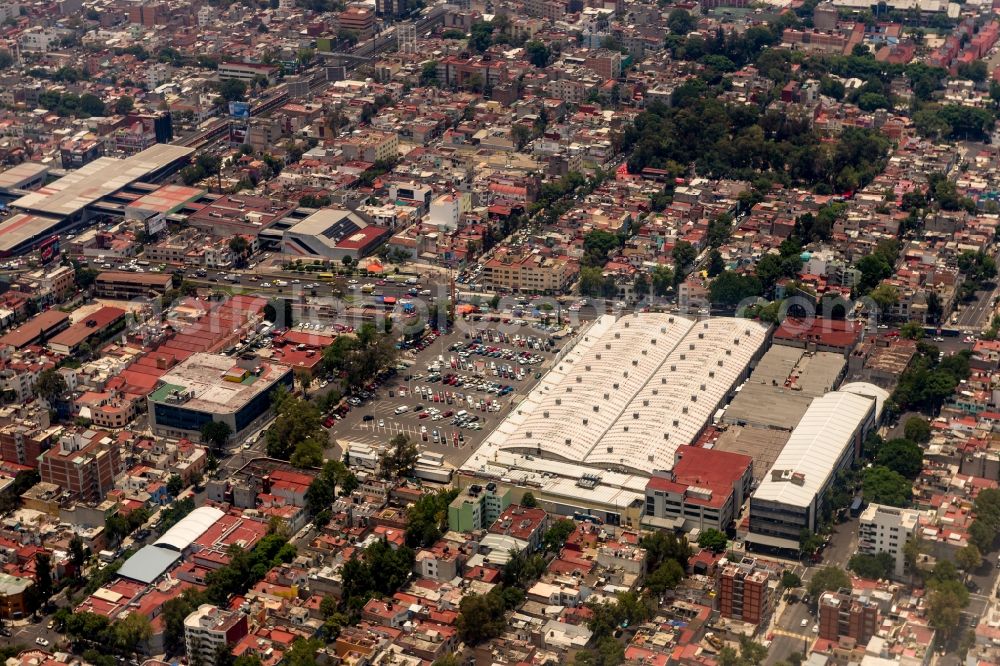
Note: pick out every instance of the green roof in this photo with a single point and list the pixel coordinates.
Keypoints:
(160, 394)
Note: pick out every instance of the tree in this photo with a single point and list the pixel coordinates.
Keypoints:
(662, 280)
(885, 486)
(641, 286)
(305, 380)
(885, 296)
(730, 288)
(713, 540)
(520, 134)
(556, 536)
(50, 385)
(874, 567)
(297, 421)
(665, 577)
(239, 246)
(43, 576)
(480, 617)
(828, 579)
(216, 434)
(232, 90)
(400, 458)
(911, 330)
(661, 547)
(308, 454)
(944, 610)
(538, 53)
(175, 485)
(425, 517)
(78, 554)
(683, 254)
(528, 501)
(681, 22)
(968, 558)
(124, 105)
(715, 264)
(790, 579)
(901, 456)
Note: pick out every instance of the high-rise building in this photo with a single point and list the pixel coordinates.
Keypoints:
(886, 529)
(745, 591)
(841, 615)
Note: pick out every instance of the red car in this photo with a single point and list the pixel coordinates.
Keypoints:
(423, 415)
(328, 422)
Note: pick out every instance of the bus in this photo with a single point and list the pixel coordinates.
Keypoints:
(325, 276)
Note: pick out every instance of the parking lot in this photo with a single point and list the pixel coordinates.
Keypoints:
(454, 373)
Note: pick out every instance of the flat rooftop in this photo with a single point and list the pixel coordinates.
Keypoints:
(215, 383)
(79, 189)
(16, 175)
(783, 385)
(761, 444)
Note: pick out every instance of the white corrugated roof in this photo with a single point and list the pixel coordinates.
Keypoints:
(815, 447)
(869, 391)
(192, 526)
(629, 392)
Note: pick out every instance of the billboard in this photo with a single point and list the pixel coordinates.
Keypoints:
(156, 223)
(49, 250)
(239, 109)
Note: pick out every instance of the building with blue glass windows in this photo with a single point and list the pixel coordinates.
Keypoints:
(215, 387)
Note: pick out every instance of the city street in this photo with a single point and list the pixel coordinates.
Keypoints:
(976, 315)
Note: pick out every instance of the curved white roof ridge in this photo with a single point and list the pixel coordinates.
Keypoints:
(192, 526)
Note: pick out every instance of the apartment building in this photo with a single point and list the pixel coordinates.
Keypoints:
(886, 529)
(372, 147)
(358, 20)
(841, 615)
(745, 591)
(478, 507)
(124, 285)
(529, 271)
(210, 628)
(85, 464)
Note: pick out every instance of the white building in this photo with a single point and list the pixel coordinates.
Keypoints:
(447, 209)
(826, 440)
(38, 39)
(886, 529)
(210, 628)
(631, 391)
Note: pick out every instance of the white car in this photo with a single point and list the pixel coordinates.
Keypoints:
(352, 281)
(44, 642)
(804, 622)
(381, 423)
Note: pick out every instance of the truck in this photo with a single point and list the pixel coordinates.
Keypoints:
(436, 474)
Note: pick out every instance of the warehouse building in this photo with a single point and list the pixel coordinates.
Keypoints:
(333, 234)
(826, 440)
(783, 386)
(214, 387)
(615, 409)
(71, 201)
